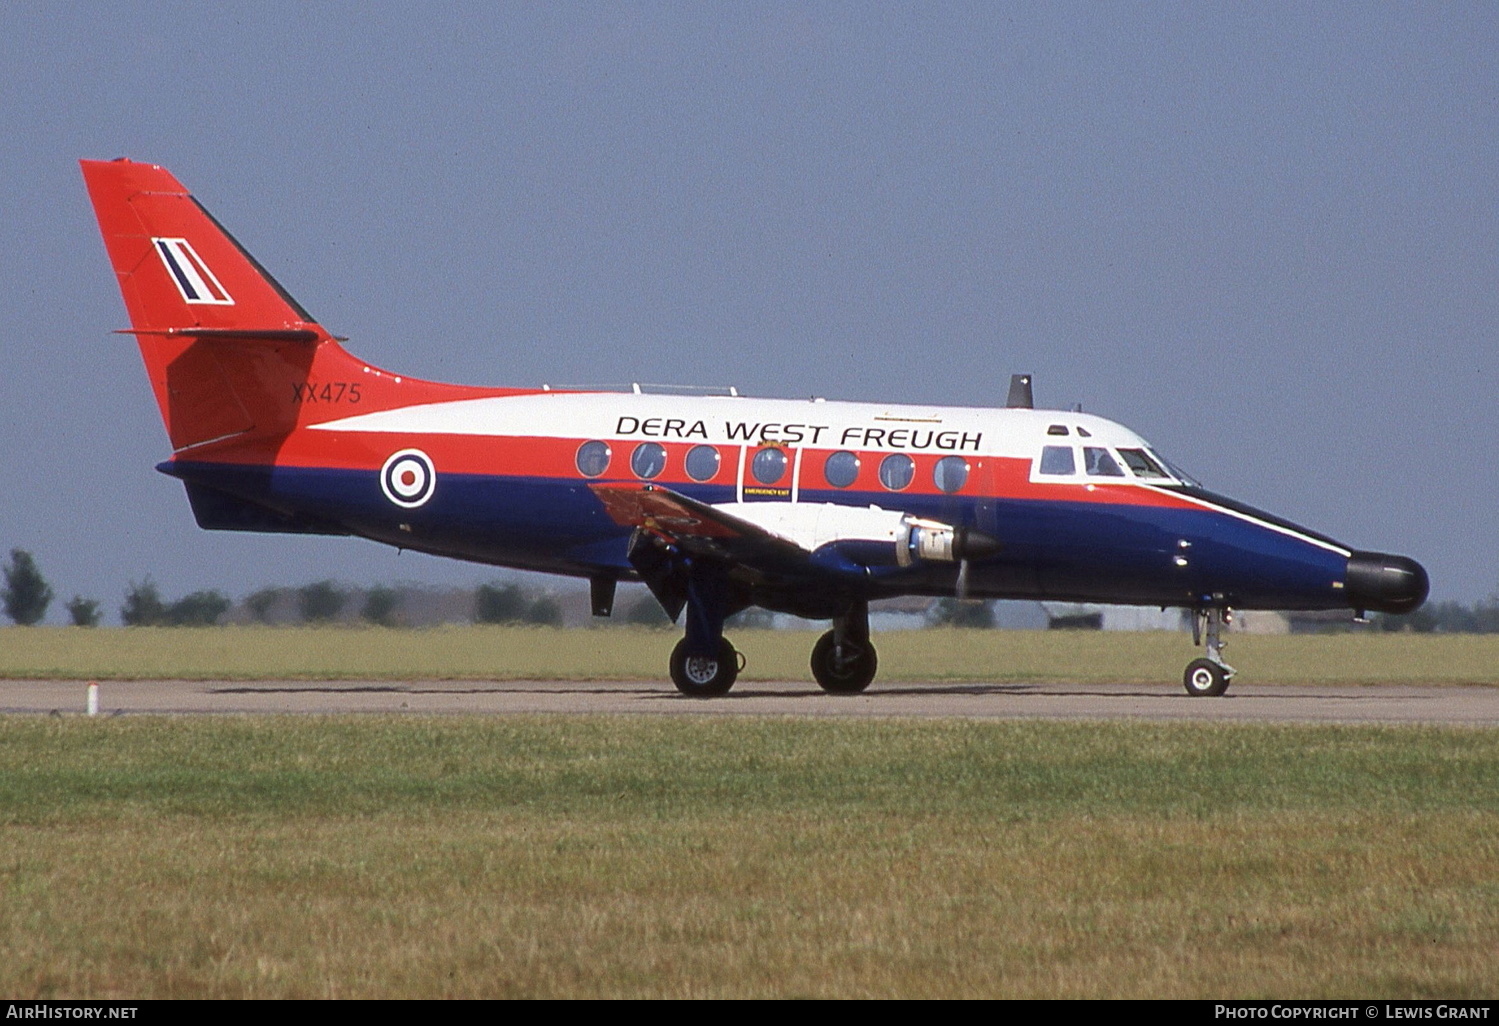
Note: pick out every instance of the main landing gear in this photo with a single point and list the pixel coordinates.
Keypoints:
(699, 676)
(843, 660)
(1208, 678)
(705, 665)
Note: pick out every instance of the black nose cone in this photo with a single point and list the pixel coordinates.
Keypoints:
(1383, 583)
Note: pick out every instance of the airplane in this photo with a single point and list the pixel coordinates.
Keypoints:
(717, 502)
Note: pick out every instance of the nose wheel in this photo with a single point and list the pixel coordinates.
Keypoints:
(1205, 679)
(1209, 678)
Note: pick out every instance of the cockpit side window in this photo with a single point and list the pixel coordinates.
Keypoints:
(1142, 465)
(1100, 463)
(1057, 459)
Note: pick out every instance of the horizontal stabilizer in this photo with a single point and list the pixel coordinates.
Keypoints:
(230, 334)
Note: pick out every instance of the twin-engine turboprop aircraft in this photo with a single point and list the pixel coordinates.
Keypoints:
(716, 502)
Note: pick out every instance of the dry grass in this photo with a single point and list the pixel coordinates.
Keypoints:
(497, 905)
(628, 857)
(510, 653)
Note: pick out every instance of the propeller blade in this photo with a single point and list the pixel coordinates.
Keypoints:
(962, 592)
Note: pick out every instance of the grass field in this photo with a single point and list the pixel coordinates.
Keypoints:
(508, 653)
(642, 857)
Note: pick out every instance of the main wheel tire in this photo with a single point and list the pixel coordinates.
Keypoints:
(847, 678)
(704, 676)
(1205, 679)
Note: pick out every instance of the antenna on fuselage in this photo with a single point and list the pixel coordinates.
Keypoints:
(1020, 393)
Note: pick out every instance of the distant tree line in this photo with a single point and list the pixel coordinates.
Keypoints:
(26, 597)
(510, 603)
(326, 602)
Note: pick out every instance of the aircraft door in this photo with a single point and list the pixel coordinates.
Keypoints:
(768, 473)
(1012, 572)
(968, 489)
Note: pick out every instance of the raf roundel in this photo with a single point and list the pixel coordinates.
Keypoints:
(408, 478)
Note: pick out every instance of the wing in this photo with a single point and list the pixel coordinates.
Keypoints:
(798, 557)
(677, 520)
(677, 536)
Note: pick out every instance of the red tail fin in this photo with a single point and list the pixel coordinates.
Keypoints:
(223, 342)
(178, 267)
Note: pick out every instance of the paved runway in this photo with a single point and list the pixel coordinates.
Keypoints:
(1245, 702)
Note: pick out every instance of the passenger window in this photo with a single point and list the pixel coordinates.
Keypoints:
(950, 474)
(648, 460)
(768, 466)
(593, 458)
(1100, 463)
(841, 469)
(1140, 462)
(1057, 459)
(896, 471)
(702, 462)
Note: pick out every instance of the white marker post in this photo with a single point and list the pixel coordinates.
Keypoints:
(93, 698)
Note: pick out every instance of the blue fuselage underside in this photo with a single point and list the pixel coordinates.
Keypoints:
(1070, 551)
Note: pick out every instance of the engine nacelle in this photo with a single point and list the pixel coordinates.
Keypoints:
(933, 540)
(860, 540)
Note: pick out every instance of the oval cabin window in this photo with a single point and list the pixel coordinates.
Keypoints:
(896, 471)
(648, 460)
(593, 458)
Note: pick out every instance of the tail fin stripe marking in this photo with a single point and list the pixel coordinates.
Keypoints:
(194, 280)
(182, 282)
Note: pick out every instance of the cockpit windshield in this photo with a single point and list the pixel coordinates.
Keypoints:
(1181, 475)
(1100, 463)
(1140, 462)
(1144, 463)
(1148, 465)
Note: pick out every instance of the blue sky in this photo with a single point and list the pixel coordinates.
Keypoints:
(1263, 235)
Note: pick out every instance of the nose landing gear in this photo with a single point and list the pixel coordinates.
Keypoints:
(1209, 678)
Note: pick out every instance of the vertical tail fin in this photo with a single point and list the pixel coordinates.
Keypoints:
(223, 342)
(178, 268)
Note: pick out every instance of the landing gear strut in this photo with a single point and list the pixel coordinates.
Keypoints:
(1208, 678)
(704, 664)
(843, 660)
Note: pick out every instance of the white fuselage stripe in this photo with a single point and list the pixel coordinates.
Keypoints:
(1279, 529)
(737, 421)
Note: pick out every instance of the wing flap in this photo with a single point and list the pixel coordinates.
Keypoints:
(670, 518)
(674, 516)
